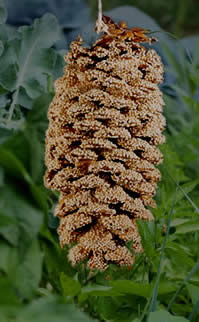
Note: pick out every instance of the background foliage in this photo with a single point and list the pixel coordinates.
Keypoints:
(36, 281)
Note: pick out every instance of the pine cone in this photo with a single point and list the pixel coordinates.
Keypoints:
(101, 145)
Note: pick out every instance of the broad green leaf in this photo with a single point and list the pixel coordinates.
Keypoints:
(4, 134)
(174, 62)
(164, 316)
(28, 272)
(100, 290)
(179, 255)
(172, 163)
(9, 258)
(26, 148)
(130, 287)
(37, 117)
(27, 61)
(13, 165)
(23, 266)
(23, 220)
(24, 100)
(186, 188)
(189, 276)
(165, 288)
(18, 148)
(70, 286)
(55, 259)
(9, 228)
(188, 227)
(3, 12)
(40, 196)
(194, 292)
(8, 66)
(116, 309)
(8, 295)
(33, 56)
(3, 90)
(36, 126)
(140, 289)
(8, 33)
(179, 221)
(147, 238)
(3, 100)
(51, 309)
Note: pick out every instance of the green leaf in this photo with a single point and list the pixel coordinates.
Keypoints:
(3, 12)
(130, 287)
(28, 272)
(37, 117)
(154, 296)
(179, 221)
(27, 146)
(8, 295)
(4, 135)
(17, 146)
(28, 60)
(140, 289)
(8, 66)
(51, 309)
(13, 165)
(8, 228)
(19, 218)
(19, 225)
(188, 227)
(36, 126)
(186, 280)
(8, 33)
(147, 238)
(174, 62)
(172, 163)
(3, 100)
(194, 292)
(40, 196)
(180, 255)
(165, 288)
(70, 286)
(34, 59)
(24, 100)
(164, 316)
(186, 189)
(100, 290)
(9, 258)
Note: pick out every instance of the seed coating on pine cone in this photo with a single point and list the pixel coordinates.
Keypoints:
(105, 123)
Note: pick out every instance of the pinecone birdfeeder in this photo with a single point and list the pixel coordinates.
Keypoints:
(105, 123)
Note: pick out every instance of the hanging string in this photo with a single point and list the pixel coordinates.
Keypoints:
(100, 25)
